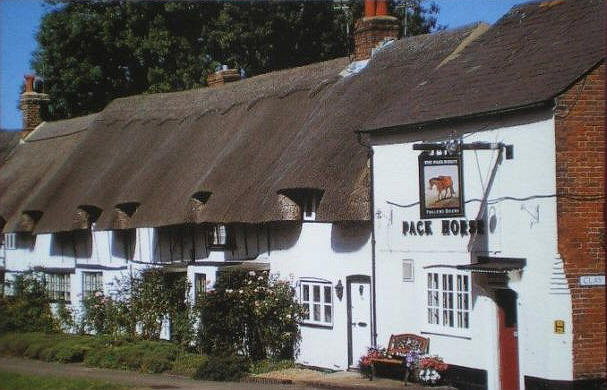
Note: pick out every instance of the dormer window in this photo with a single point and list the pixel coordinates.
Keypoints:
(123, 213)
(218, 237)
(85, 216)
(29, 219)
(299, 203)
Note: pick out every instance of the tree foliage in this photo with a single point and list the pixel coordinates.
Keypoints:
(90, 52)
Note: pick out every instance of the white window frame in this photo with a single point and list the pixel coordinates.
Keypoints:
(219, 237)
(448, 300)
(92, 282)
(309, 208)
(10, 241)
(58, 286)
(200, 284)
(316, 297)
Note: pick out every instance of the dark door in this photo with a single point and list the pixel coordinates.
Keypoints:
(508, 340)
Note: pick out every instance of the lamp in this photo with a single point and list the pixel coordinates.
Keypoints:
(339, 290)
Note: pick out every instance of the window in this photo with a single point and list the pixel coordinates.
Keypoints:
(408, 270)
(92, 282)
(309, 210)
(10, 240)
(58, 286)
(317, 300)
(200, 285)
(218, 237)
(449, 300)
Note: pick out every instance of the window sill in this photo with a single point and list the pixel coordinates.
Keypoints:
(448, 332)
(316, 325)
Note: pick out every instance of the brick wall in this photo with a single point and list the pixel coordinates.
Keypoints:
(31, 105)
(370, 31)
(580, 176)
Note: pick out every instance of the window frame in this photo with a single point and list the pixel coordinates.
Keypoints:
(197, 285)
(88, 292)
(310, 303)
(213, 235)
(10, 241)
(448, 297)
(308, 210)
(58, 286)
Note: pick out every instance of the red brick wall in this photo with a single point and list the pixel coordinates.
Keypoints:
(580, 181)
(31, 104)
(370, 31)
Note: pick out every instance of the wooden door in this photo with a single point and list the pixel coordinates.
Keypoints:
(508, 340)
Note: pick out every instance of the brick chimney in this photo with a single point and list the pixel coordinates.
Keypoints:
(373, 28)
(31, 105)
(223, 76)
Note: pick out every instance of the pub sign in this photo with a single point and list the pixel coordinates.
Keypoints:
(441, 185)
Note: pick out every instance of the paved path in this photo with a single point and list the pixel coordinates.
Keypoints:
(300, 379)
(141, 381)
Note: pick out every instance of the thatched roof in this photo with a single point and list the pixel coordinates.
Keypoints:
(531, 55)
(8, 141)
(245, 143)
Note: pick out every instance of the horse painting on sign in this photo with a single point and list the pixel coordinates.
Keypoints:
(440, 186)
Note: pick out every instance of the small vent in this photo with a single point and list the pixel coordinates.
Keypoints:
(408, 270)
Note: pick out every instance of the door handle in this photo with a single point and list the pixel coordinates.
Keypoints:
(362, 324)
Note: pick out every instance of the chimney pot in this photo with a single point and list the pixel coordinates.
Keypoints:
(29, 82)
(370, 8)
(382, 8)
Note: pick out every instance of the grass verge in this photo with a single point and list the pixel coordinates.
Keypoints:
(13, 381)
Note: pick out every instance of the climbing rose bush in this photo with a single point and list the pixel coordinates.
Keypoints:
(250, 313)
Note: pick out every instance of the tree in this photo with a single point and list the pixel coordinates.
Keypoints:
(90, 52)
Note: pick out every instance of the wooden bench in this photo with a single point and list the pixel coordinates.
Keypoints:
(398, 346)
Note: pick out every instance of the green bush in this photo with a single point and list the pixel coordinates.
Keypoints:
(249, 313)
(186, 364)
(263, 366)
(145, 356)
(223, 368)
(28, 308)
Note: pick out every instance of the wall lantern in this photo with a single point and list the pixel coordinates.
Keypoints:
(339, 290)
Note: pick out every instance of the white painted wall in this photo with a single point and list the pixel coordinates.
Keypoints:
(309, 250)
(525, 228)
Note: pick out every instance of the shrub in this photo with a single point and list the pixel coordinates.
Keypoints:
(223, 368)
(263, 366)
(28, 309)
(145, 356)
(139, 306)
(249, 313)
(186, 364)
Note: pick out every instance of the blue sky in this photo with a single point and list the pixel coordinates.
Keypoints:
(20, 19)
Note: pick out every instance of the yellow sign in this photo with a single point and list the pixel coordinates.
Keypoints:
(559, 326)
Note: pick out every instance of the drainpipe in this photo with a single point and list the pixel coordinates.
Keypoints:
(372, 216)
